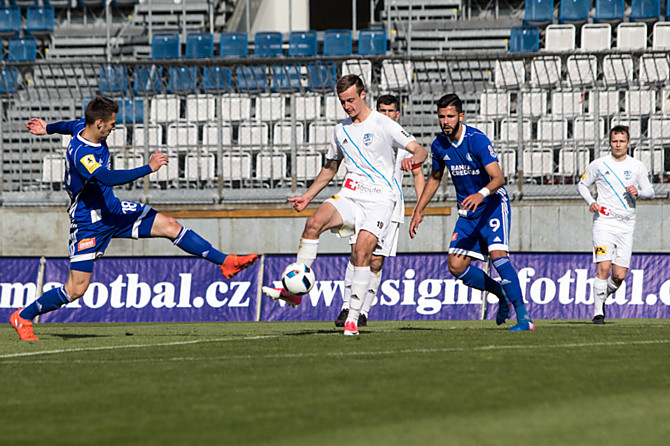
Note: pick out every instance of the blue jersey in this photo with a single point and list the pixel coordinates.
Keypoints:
(90, 199)
(466, 161)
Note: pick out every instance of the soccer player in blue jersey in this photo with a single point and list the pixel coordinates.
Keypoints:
(483, 207)
(97, 216)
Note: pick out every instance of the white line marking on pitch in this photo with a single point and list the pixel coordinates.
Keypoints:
(304, 355)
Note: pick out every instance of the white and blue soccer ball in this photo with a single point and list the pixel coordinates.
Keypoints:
(298, 279)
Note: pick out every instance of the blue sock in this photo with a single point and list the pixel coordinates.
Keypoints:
(192, 243)
(476, 278)
(510, 282)
(49, 301)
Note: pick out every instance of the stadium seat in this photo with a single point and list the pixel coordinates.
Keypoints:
(372, 42)
(234, 44)
(333, 109)
(182, 136)
(53, 168)
(360, 67)
(545, 71)
(39, 19)
(659, 129)
(286, 77)
(10, 20)
(667, 10)
(539, 11)
(200, 108)
(320, 133)
(308, 165)
(118, 139)
(282, 134)
(631, 36)
(551, 130)
(608, 102)
(165, 108)
(559, 37)
(199, 45)
(169, 172)
(396, 75)
(534, 103)
(509, 73)
(307, 107)
(509, 130)
(321, 75)
(574, 11)
(581, 70)
(337, 42)
(645, 10)
(131, 111)
(596, 36)
(537, 162)
(199, 167)
(584, 130)
(573, 162)
(210, 134)
(302, 43)
(634, 125)
(524, 39)
(271, 166)
(568, 103)
(268, 44)
(270, 107)
(661, 36)
(487, 126)
(182, 79)
(147, 80)
(216, 78)
(665, 101)
(153, 133)
(113, 79)
(639, 102)
(618, 70)
(609, 11)
(251, 78)
(165, 46)
(494, 104)
(236, 166)
(22, 48)
(652, 158)
(654, 69)
(253, 135)
(507, 159)
(235, 107)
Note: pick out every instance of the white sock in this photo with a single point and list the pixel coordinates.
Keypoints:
(373, 286)
(359, 287)
(348, 278)
(611, 286)
(307, 251)
(599, 296)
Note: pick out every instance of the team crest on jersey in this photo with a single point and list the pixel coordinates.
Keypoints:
(628, 174)
(86, 243)
(493, 152)
(600, 250)
(367, 139)
(90, 163)
(468, 157)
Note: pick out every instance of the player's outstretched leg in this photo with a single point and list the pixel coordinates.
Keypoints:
(233, 264)
(23, 327)
(281, 293)
(22, 319)
(476, 278)
(510, 283)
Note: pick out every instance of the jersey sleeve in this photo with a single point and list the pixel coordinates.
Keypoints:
(334, 150)
(400, 137)
(589, 175)
(484, 150)
(86, 163)
(64, 127)
(437, 161)
(643, 178)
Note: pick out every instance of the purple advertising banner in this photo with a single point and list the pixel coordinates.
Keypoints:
(413, 287)
(156, 289)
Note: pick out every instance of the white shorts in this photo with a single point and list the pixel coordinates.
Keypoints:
(363, 213)
(388, 247)
(613, 241)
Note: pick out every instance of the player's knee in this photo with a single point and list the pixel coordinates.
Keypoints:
(313, 227)
(76, 290)
(376, 264)
(617, 277)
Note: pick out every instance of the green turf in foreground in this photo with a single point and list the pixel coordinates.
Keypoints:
(399, 383)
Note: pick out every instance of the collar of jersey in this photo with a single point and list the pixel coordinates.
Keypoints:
(460, 140)
(86, 141)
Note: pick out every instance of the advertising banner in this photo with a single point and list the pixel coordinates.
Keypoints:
(413, 287)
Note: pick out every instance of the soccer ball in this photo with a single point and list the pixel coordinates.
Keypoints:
(298, 279)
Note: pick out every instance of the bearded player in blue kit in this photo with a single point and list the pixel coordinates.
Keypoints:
(97, 216)
(483, 207)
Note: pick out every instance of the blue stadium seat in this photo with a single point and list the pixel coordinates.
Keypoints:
(321, 75)
(22, 48)
(645, 10)
(667, 10)
(39, 19)
(286, 77)
(147, 79)
(524, 39)
(9, 79)
(251, 78)
(337, 42)
(182, 79)
(574, 11)
(10, 20)
(268, 44)
(165, 46)
(234, 44)
(113, 79)
(199, 45)
(302, 43)
(539, 11)
(609, 11)
(372, 42)
(217, 78)
(130, 111)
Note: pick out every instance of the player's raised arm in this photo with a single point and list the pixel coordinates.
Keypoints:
(327, 173)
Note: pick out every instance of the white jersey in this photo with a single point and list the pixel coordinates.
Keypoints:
(368, 152)
(611, 178)
(399, 210)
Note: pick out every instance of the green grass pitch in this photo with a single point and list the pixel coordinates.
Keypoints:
(399, 383)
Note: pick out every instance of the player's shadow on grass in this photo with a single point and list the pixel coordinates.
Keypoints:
(309, 332)
(578, 322)
(66, 336)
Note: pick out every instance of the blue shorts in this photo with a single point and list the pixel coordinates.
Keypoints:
(88, 242)
(476, 237)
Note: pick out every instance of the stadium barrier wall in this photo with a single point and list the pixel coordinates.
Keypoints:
(414, 287)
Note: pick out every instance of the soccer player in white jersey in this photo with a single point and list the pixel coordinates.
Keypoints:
(483, 221)
(620, 180)
(390, 106)
(365, 143)
(97, 216)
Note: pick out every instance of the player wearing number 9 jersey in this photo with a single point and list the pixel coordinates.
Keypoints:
(97, 215)
(483, 224)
